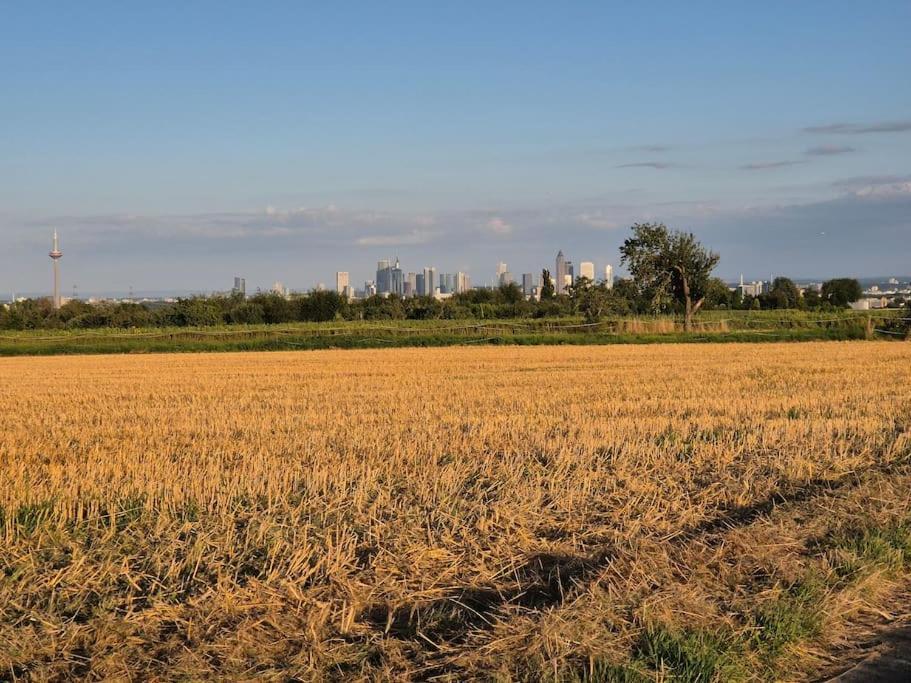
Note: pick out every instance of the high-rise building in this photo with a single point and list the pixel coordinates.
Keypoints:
(369, 288)
(528, 284)
(56, 255)
(240, 286)
(560, 273)
(397, 280)
(341, 282)
(609, 276)
(462, 282)
(383, 277)
(430, 279)
(411, 285)
(419, 285)
(571, 271)
(502, 271)
(587, 269)
(449, 282)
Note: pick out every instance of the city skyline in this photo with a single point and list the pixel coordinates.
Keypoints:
(197, 152)
(390, 278)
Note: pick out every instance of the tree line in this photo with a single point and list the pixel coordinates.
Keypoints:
(670, 273)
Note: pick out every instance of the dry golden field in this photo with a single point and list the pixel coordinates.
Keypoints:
(566, 513)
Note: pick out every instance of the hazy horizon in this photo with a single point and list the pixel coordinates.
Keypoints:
(176, 146)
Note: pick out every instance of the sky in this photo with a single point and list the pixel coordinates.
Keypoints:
(174, 145)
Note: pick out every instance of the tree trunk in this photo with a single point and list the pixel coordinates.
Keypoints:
(688, 301)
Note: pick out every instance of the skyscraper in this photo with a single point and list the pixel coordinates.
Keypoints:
(419, 284)
(609, 276)
(528, 284)
(397, 280)
(502, 270)
(341, 281)
(240, 286)
(343, 284)
(462, 283)
(430, 279)
(56, 255)
(383, 277)
(411, 285)
(560, 273)
(587, 269)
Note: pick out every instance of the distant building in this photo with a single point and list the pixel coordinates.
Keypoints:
(462, 282)
(504, 277)
(528, 284)
(240, 286)
(383, 277)
(411, 285)
(447, 283)
(753, 289)
(870, 303)
(419, 285)
(587, 269)
(430, 279)
(560, 273)
(341, 282)
(609, 276)
(397, 280)
(279, 288)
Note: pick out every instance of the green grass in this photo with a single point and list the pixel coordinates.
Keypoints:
(694, 655)
(794, 616)
(717, 326)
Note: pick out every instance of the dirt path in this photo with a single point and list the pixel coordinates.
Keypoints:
(881, 652)
(889, 661)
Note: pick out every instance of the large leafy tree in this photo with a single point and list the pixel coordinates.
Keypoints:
(669, 266)
(841, 292)
(784, 293)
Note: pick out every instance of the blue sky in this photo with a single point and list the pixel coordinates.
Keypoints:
(177, 144)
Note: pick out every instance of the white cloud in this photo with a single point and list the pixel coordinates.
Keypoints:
(498, 226)
(598, 220)
(412, 238)
(885, 190)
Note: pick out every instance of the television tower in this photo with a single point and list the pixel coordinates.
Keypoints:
(55, 255)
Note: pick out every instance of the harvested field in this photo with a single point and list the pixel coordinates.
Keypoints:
(564, 513)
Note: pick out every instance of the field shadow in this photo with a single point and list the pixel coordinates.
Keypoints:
(542, 581)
